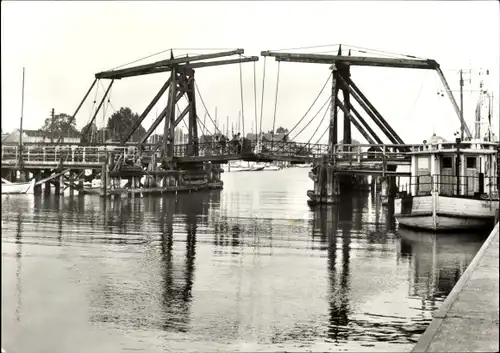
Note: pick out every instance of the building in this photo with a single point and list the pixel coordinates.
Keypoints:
(180, 137)
(34, 136)
(268, 136)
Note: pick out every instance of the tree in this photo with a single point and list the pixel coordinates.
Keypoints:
(62, 124)
(120, 123)
(281, 130)
(89, 133)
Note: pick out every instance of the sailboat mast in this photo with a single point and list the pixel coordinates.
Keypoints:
(22, 114)
(461, 106)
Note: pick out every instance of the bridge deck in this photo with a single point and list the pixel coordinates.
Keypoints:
(348, 158)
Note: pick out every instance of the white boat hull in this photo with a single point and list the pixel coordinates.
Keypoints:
(18, 188)
(441, 213)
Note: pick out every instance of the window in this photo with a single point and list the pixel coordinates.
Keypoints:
(471, 162)
(447, 162)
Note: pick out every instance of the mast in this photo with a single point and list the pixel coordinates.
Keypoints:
(215, 128)
(22, 113)
(461, 106)
(239, 120)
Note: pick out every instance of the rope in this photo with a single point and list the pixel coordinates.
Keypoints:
(276, 101)
(241, 98)
(321, 122)
(204, 106)
(203, 128)
(418, 95)
(313, 47)
(93, 104)
(315, 115)
(262, 99)
(385, 52)
(309, 109)
(146, 57)
(323, 134)
(255, 101)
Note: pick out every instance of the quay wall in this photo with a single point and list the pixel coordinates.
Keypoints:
(468, 319)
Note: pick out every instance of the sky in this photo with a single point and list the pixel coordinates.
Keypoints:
(63, 44)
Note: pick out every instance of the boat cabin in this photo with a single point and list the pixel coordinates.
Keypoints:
(466, 169)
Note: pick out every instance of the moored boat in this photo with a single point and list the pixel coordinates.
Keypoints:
(453, 186)
(18, 188)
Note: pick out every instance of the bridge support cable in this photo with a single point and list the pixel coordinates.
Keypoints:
(310, 107)
(321, 122)
(204, 106)
(328, 100)
(262, 100)
(242, 100)
(314, 116)
(275, 103)
(70, 121)
(147, 110)
(101, 103)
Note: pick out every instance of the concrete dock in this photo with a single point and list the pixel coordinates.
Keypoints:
(467, 321)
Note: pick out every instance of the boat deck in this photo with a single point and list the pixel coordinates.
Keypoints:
(468, 319)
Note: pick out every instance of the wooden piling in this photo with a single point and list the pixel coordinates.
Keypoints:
(38, 188)
(61, 185)
(103, 180)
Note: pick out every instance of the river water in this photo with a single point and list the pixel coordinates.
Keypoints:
(248, 268)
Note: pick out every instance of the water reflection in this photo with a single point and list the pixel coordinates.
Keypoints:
(205, 267)
(436, 261)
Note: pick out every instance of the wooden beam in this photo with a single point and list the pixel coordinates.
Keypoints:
(354, 88)
(182, 115)
(453, 102)
(158, 69)
(192, 119)
(358, 126)
(166, 63)
(147, 110)
(158, 120)
(333, 129)
(366, 126)
(168, 130)
(353, 60)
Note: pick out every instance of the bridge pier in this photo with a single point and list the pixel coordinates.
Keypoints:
(326, 184)
(38, 176)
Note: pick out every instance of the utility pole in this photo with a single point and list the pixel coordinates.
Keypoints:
(461, 106)
(52, 114)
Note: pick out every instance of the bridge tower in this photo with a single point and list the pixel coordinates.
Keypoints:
(181, 82)
(328, 176)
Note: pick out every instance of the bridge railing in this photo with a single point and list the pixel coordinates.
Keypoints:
(51, 153)
(363, 152)
(54, 154)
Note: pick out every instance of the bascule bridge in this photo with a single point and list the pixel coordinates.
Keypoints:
(340, 166)
(194, 165)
